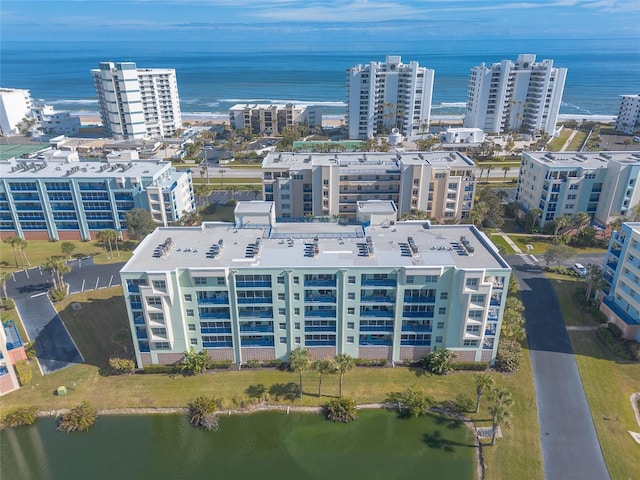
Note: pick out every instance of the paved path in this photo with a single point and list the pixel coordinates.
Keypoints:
(569, 140)
(54, 346)
(570, 447)
(507, 239)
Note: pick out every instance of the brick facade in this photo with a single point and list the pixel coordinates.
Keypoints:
(169, 358)
(413, 353)
(217, 354)
(261, 354)
(374, 353)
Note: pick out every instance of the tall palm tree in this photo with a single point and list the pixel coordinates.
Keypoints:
(581, 220)
(489, 168)
(594, 280)
(3, 284)
(343, 363)
(50, 266)
(500, 410)
(112, 236)
(323, 367)
(561, 222)
(12, 240)
(505, 169)
(22, 244)
(536, 214)
(299, 360)
(484, 382)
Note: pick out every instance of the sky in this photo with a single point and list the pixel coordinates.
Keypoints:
(320, 20)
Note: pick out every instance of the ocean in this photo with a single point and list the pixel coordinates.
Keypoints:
(213, 76)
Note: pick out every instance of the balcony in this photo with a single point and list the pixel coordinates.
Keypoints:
(376, 328)
(136, 305)
(419, 299)
(415, 343)
(378, 282)
(225, 344)
(616, 252)
(320, 283)
(417, 314)
(320, 299)
(320, 313)
(377, 298)
(220, 300)
(257, 328)
(250, 342)
(144, 347)
(224, 316)
(495, 302)
(262, 284)
(246, 300)
(205, 330)
(377, 313)
(416, 327)
(374, 342)
(320, 343)
(142, 335)
(612, 265)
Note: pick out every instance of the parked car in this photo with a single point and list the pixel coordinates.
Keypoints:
(579, 268)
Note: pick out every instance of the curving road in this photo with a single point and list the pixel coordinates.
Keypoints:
(570, 447)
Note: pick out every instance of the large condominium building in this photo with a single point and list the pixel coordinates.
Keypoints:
(54, 197)
(137, 102)
(15, 105)
(270, 119)
(522, 96)
(258, 291)
(600, 184)
(628, 119)
(620, 298)
(314, 184)
(383, 96)
(52, 122)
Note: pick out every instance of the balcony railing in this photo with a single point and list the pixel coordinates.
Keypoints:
(214, 315)
(253, 284)
(616, 251)
(419, 299)
(376, 328)
(228, 344)
(213, 300)
(320, 343)
(495, 302)
(255, 315)
(256, 328)
(375, 342)
(322, 328)
(415, 343)
(320, 299)
(255, 300)
(378, 298)
(407, 327)
(208, 330)
(136, 305)
(378, 282)
(320, 313)
(320, 283)
(378, 313)
(417, 314)
(256, 343)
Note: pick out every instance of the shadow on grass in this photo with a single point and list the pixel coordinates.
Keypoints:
(437, 441)
(284, 391)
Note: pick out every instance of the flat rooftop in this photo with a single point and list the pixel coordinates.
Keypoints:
(59, 169)
(367, 160)
(309, 245)
(16, 151)
(587, 160)
(377, 206)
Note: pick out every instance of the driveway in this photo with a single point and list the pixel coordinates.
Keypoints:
(570, 447)
(54, 347)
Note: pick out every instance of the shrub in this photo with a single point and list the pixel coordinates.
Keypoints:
(23, 371)
(439, 361)
(341, 410)
(560, 270)
(413, 400)
(615, 331)
(18, 417)
(252, 364)
(80, 418)
(274, 363)
(121, 366)
(370, 362)
(202, 412)
(508, 357)
(57, 294)
(220, 364)
(608, 338)
(472, 366)
(8, 304)
(155, 369)
(634, 348)
(464, 403)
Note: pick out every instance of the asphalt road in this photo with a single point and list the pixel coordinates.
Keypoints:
(54, 347)
(570, 447)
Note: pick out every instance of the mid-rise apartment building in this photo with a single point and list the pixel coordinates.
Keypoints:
(521, 96)
(270, 119)
(11, 351)
(55, 122)
(258, 290)
(620, 298)
(15, 105)
(137, 102)
(628, 119)
(51, 197)
(441, 184)
(602, 184)
(387, 95)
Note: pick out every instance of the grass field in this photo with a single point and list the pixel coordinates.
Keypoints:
(608, 383)
(541, 244)
(502, 244)
(557, 143)
(38, 251)
(219, 213)
(577, 142)
(101, 314)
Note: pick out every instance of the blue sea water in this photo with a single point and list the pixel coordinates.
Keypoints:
(214, 76)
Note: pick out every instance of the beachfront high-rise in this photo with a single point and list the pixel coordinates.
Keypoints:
(522, 96)
(387, 95)
(137, 102)
(628, 120)
(15, 106)
(441, 184)
(602, 184)
(270, 119)
(257, 290)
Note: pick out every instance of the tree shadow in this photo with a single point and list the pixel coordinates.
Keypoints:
(437, 441)
(256, 391)
(285, 391)
(418, 370)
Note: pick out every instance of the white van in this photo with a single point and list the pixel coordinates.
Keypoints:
(579, 268)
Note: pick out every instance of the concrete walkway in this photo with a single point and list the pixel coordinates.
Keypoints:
(510, 242)
(570, 447)
(569, 140)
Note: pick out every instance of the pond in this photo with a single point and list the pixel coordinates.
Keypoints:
(266, 445)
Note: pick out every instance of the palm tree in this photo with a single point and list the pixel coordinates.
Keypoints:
(489, 168)
(581, 220)
(51, 266)
(3, 284)
(105, 237)
(561, 222)
(594, 280)
(323, 367)
(536, 214)
(299, 360)
(484, 383)
(343, 363)
(112, 236)
(505, 169)
(22, 244)
(500, 410)
(222, 172)
(13, 241)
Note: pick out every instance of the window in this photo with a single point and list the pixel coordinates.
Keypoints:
(351, 279)
(442, 310)
(351, 311)
(297, 339)
(281, 296)
(188, 297)
(440, 325)
(283, 339)
(190, 312)
(280, 280)
(282, 311)
(444, 295)
(221, 281)
(470, 343)
(154, 301)
(200, 280)
(296, 325)
(156, 317)
(192, 327)
(438, 339)
(194, 341)
(351, 295)
(350, 339)
(296, 296)
(161, 346)
(351, 325)
(473, 328)
(296, 311)
(472, 282)
(283, 326)
(476, 314)
(159, 331)
(431, 279)
(411, 278)
(477, 298)
(159, 284)
(296, 280)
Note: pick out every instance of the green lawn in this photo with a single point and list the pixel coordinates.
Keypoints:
(608, 383)
(217, 181)
(92, 319)
(102, 313)
(502, 244)
(38, 251)
(219, 213)
(577, 142)
(558, 142)
(541, 243)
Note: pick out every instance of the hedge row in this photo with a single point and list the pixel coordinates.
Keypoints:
(609, 339)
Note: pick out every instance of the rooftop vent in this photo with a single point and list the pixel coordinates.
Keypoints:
(164, 249)
(254, 249)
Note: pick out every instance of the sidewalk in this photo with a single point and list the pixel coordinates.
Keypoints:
(508, 240)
